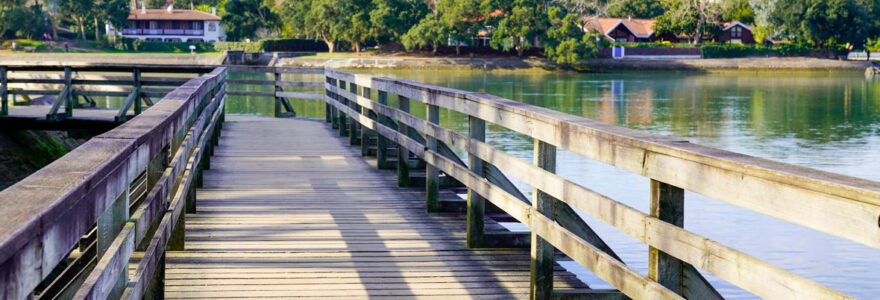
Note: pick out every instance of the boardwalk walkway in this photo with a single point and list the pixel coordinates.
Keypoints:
(288, 209)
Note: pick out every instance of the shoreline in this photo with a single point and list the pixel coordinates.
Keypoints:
(770, 64)
(760, 64)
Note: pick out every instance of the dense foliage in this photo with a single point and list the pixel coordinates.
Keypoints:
(726, 50)
(512, 26)
(566, 42)
(827, 24)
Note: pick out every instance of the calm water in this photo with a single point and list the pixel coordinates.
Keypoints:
(824, 121)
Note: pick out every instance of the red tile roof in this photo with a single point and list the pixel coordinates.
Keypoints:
(640, 27)
(177, 14)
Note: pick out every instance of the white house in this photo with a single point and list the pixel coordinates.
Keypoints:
(173, 25)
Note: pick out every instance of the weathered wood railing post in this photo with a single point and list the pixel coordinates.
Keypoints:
(343, 119)
(353, 136)
(110, 224)
(381, 141)
(402, 152)
(68, 98)
(365, 132)
(667, 204)
(136, 75)
(432, 175)
(277, 88)
(476, 204)
(4, 91)
(327, 106)
(542, 252)
(334, 113)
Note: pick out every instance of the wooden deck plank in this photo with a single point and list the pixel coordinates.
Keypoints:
(289, 209)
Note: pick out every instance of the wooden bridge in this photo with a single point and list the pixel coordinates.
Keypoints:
(182, 201)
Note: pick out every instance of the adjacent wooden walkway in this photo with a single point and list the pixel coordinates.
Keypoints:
(288, 209)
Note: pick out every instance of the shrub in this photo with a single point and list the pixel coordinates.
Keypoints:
(138, 45)
(658, 44)
(728, 50)
(293, 45)
(25, 43)
(238, 46)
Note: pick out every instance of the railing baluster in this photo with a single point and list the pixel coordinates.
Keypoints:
(432, 175)
(381, 142)
(476, 204)
(136, 74)
(402, 152)
(353, 136)
(109, 226)
(343, 128)
(327, 106)
(68, 98)
(4, 91)
(334, 113)
(365, 132)
(667, 204)
(542, 251)
(277, 89)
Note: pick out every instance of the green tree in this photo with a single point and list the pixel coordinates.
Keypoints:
(328, 20)
(647, 9)
(828, 24)
(116, 12)
(293, 14)
(566, 42)
(78, 11)
(738, 10)
(391, 19)
(243, 18)
(357, 28)
(693, 18)
(429, 32)
(461, 19)
(519, 25)
(18, 19)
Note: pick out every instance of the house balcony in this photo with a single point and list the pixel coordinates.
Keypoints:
(159, 31)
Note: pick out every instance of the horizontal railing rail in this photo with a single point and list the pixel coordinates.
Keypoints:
(75, 85)
(129, 186)
(843, 206)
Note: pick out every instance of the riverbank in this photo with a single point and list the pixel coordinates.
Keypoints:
(23, 152)
(355, 61)
(717, 64)
(731, 64)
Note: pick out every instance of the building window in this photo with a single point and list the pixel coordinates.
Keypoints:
(622, 40)
(154, 25)
(212, 27)
(736, 32)
(196, 25)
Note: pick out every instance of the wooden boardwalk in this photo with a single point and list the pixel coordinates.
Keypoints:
(289, 209)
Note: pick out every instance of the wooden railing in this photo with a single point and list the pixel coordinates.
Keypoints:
(843, 206)
(75, 224)
(75, 85)
(283, 108)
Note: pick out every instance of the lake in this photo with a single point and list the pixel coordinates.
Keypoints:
(827, 121)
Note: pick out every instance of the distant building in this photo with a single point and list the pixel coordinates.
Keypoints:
(623, 30)
(736, 32)
(631, 30)
(173, 25)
